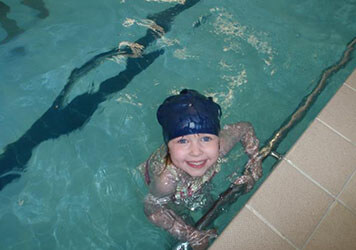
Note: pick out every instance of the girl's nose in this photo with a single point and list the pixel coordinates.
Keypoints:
(195, 149)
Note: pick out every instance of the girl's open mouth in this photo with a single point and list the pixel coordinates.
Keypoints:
(197, 164)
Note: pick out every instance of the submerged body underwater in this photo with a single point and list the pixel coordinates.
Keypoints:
(81, 85)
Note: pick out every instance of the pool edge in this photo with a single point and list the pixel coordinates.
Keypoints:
(304, 205)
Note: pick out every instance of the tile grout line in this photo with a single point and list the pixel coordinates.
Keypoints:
(317, 226)
(334, 130)
(346, 84)
(324, 189)
(267, 223)
(335, 198)
(309, 178)
(343, 189)
(346, 206)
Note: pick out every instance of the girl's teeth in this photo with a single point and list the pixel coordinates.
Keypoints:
(196, 163)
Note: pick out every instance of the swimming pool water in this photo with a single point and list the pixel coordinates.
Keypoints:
(80, 189)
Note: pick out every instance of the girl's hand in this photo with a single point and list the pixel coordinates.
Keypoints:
(254, 167)
(199, 240)
(253, 172)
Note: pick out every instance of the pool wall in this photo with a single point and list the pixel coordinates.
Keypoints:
(308, 201)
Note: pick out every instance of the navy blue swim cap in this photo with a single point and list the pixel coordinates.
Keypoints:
(188, 113)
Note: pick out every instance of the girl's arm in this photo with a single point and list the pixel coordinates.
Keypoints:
(239, 132)
(243, 132)
(161, 190)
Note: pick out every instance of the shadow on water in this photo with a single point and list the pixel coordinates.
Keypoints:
(37, 5)
(61, 120)
(10, 25)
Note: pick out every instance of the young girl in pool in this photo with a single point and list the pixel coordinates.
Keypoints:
(190, 157)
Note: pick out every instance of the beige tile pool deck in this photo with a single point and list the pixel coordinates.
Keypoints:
(309, 200)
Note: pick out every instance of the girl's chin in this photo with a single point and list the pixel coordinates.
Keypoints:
(197, 172)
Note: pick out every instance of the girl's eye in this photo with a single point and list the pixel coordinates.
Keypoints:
(182, 141)
(206, 138)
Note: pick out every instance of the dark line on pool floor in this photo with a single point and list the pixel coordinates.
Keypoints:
(58, 120)
(38, 5)
(10, 25)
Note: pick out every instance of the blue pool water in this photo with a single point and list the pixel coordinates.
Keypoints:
(68, 168)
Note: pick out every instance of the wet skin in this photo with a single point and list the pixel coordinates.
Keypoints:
(194, 154)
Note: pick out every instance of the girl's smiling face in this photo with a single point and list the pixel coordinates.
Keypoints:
(194, 153)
